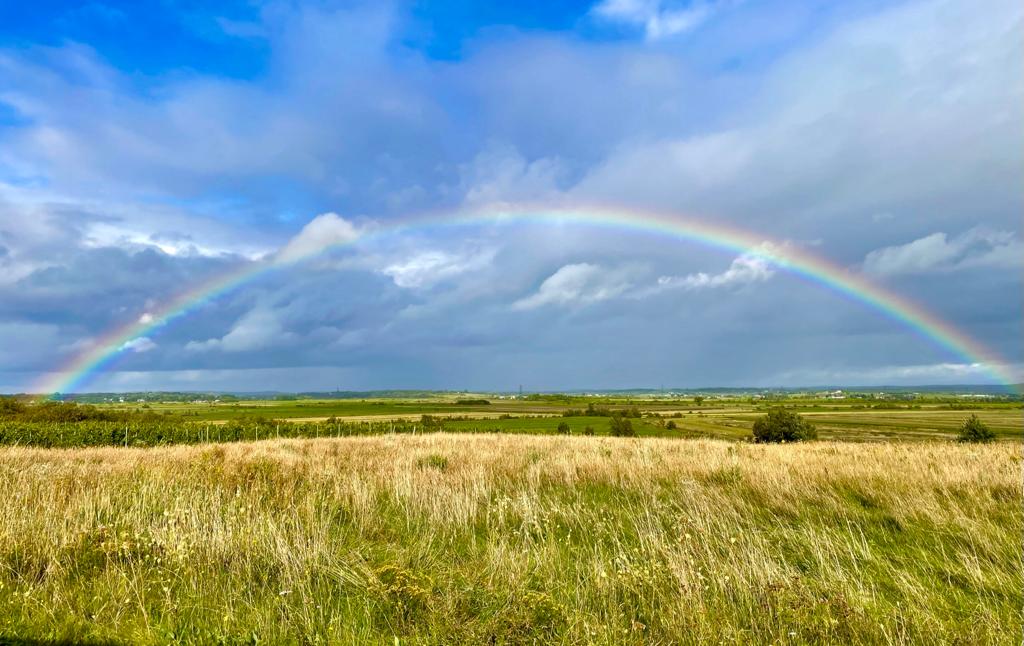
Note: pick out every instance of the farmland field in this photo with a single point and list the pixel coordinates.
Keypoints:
(473, 538)
(928, 418)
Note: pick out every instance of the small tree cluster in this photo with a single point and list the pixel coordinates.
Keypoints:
(620, 426)
(563, 429)
(11, 407)
(602, 411)
(431, 422)
(975, 430)
(781, 425)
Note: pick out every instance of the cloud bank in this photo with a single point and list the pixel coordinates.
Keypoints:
(889, 135)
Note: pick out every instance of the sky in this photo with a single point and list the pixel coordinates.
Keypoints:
(148, 147)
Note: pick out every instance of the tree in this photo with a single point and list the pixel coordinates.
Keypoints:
(621, 426)
(699, 400)
(975, 430)
(588, 430)
(781, 425)
(671, 425)
(563, 428)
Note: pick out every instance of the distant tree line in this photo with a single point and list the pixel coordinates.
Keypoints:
(603, 411)
(12, 410)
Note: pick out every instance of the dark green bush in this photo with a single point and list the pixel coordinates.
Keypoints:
(563, 428)
(781, 425)
(620, 426)
(975, 430)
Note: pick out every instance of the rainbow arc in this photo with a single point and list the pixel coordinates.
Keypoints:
(83, 366)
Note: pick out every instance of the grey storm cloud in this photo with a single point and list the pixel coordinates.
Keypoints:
(888, 142)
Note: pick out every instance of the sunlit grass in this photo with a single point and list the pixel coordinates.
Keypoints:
(479, 538)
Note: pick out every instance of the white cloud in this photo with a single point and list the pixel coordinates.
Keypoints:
(321, 232)
(501, 173)
(257, 330)
(35, 221)
(658, 18)
(940, 253)
(745, 269)
(104, 234)
(429, 267)
(750, 267)
(578, 283)
(141, 344)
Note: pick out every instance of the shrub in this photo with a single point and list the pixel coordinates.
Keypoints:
(563, 428)
(430, 422)
(588, 430)
(975, 430)
(10, 406)
(781, 425)
(671, 425)
(621, 426)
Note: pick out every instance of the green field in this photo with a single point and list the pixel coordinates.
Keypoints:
(727, 418)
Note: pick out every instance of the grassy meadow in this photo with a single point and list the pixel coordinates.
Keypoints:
(446, 520)
(500, 538)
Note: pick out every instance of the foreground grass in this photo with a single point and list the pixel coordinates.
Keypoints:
(511, 539)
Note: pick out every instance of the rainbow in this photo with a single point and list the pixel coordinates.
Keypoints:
(104, 350)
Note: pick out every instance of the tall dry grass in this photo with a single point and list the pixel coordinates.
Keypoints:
(513, 539)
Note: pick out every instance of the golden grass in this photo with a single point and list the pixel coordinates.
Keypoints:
(513, 539)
